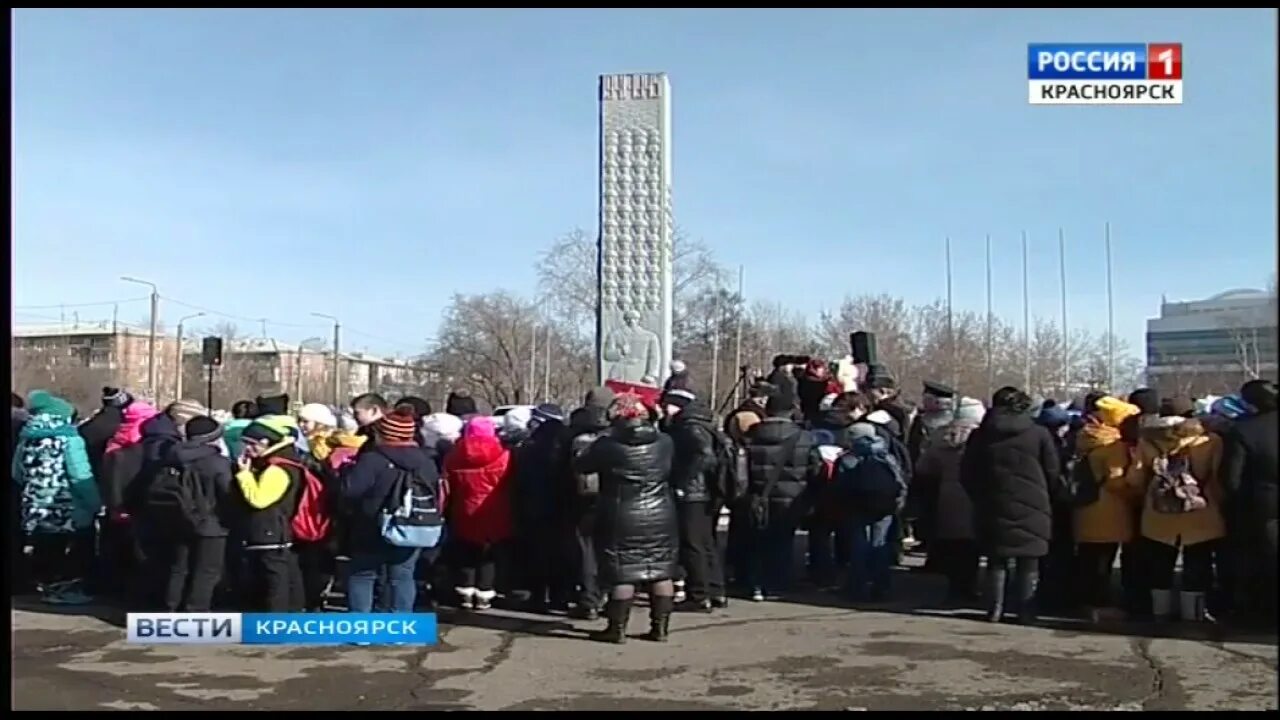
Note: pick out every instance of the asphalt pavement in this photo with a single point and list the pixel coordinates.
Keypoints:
(810, 651)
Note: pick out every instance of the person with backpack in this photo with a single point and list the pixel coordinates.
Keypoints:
(270, 478)
(188, 506)
(1175, 470)
(829, 540)
(778, 471)
(586, 425)
(870, 484)
(696, 478)
(1103, 504)
(59, 499)
(121, 555)
(636, 530)
(478, 472)
(317, 558)
(954, 544)
(395, 505)
(1008, 467)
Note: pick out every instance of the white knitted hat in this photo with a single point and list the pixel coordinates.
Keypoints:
(318, 414)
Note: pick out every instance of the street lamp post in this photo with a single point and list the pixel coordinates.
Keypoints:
(151, 343)
(178, 387)
(337, 380)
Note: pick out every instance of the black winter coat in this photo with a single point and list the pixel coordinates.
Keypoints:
(767, 457)
(1249, 474)
(367, 483)
(216, 473)
(97, 431)
(693, 470)
(1008, 467)
(636, 535)
(269, 527)
(540, 490)
(587, 419)
(900, 415)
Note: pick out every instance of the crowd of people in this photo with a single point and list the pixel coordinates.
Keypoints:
(396, 506)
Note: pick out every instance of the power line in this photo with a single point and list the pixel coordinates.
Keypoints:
(240, 318)
(80, 305)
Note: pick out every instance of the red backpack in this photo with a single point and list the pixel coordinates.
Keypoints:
(311, 518)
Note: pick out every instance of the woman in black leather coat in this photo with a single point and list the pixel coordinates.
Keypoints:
(636, 534)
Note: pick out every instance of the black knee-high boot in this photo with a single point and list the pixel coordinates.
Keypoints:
(997, 573)
(618, 612)
(660, 607)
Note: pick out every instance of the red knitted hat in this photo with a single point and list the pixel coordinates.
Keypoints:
(397, 426)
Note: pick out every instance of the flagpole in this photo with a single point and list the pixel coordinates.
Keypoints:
(951, 329)
(1062, 274)
(1111, 318)
(1026, 319)
(991, 368)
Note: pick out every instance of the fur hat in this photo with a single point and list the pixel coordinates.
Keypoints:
(1177, 405)
(421, 408)
(779, 405)
(601, 397)
(1147, 400)
(460, 403)
(880, 377)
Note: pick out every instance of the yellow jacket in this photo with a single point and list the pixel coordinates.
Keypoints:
(1203, 450)
(266, 489)
(1111, 518)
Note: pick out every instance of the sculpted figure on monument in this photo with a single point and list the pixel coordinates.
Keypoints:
(633, 352)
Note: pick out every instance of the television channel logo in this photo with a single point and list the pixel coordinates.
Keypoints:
(1104, 73)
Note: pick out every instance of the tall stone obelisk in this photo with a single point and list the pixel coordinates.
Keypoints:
(633, 313)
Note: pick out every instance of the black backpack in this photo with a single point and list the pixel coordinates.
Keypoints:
(730, 472)
(870, 485)
(179, 501)
(1082, 489)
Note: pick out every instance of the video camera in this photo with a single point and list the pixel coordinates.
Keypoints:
(780, 360)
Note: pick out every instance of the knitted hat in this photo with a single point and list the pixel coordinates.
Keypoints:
(347, 423)
(442, 425)
(679, 398)
(265, 428)
(398, 426)
(40, 402)
(1113, 411)
(421, 408)
(460, 403)
(479, 427)
(318, 414)
(517, 418)
(548, 412)
(601, 397)
(1053, 417)
(677, 367)
(1147, 400)
(203, 429)
(115, 397)
(1177, 406)
(183, 410)
(273, 404)
(970, 409)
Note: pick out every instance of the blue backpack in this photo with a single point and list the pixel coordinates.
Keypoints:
(411, 516)
(870, 485)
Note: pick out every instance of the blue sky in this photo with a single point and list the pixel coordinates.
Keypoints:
(371, 163)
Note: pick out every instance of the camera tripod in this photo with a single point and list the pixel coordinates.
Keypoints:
(742, 383)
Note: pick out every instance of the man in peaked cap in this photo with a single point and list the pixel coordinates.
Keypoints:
(937, 410)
